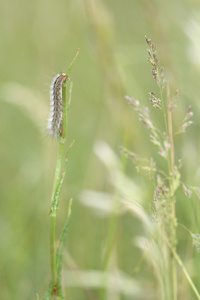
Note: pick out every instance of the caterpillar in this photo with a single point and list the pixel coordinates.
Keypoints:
(56, 103)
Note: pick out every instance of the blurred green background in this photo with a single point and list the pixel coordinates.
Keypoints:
(38, 40)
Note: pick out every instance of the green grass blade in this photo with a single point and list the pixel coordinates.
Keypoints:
(55, 202)
(70, 66)
(70, 95)
(47, 295)
(59, 252)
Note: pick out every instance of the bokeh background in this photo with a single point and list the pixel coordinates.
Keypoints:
(38, 40)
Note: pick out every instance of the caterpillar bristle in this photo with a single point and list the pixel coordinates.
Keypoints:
(56, 104)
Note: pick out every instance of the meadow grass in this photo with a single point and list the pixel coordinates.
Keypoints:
(159, 240)
(165, 182)
(110, 230)
(54, 290)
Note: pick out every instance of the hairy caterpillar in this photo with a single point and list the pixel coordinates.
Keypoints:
(56, 103)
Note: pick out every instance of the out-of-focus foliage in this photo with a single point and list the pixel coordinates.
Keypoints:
(39, 39)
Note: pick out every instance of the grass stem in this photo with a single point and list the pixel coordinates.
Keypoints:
(173, 211)
(187, 276)
(55, 290)
(52, 250)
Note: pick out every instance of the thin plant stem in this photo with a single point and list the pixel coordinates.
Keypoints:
(110, 240)
(58, 168)
(64, 123)
(53, 213)
(173, 211)
(165, 120)
(163, 107)
(109, 247)
(185, 272)
(58, 181)
(170, 129)
(53, 216)
(52, 250)
(170, 161)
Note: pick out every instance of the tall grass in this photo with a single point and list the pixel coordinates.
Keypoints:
(110, 34)
(165, 182)
(159, 241)
(54, 290)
